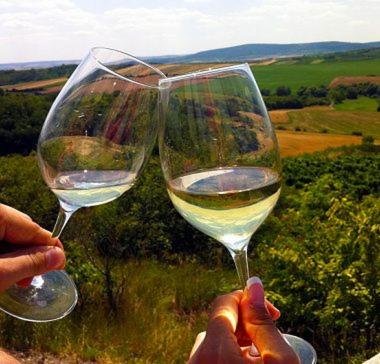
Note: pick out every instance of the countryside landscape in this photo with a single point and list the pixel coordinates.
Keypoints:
(146, 278)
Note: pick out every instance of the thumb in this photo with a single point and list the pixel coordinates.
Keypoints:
(260, 328)
(22, 264)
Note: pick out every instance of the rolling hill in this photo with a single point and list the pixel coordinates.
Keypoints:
(262, 51)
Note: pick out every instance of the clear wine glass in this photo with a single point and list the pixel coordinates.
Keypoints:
(96, 138)
(221, 161)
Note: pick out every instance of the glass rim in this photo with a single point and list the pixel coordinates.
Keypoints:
(156, 70)
(203, 72)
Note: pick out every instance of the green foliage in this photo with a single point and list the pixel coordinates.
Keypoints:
(283, 91)
(21, 119)
(10, 77)
(358, 173)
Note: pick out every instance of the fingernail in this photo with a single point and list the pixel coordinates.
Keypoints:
(255, 290)
(54, 258)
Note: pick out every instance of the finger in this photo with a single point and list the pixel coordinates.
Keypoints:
(273, 311)
(241, 334)
(25, 282)
(5, 358)
(198, 341)
(18, 228)
(225, 312)
(17, 266)
(260, 327)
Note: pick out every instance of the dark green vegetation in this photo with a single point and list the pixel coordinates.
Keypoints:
(21, 119)
(150, 276)
(10, 77)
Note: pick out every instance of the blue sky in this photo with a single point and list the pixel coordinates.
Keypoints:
(65, 29)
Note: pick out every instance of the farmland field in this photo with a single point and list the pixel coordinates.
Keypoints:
(325, 119)
(269, 75)
(296, 143)
(360, 104)
(296, 75)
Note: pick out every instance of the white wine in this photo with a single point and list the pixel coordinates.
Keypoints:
(90, 187)
(227, 204)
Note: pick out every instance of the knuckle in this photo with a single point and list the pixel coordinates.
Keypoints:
(260, 313)
(35, 262)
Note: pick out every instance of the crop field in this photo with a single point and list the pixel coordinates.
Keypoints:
(36, 84)
(296, 143)
(359, 104)
(327, 120)
(296, 75)
(347, 81)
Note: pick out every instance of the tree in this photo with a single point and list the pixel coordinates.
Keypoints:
(352, 93)
(283, 91)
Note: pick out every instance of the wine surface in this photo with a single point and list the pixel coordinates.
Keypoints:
(91, 187)
(227, 204)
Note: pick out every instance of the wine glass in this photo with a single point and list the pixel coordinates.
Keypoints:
(220, 160)
(94, 143)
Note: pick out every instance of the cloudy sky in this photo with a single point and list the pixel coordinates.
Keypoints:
(33, 30)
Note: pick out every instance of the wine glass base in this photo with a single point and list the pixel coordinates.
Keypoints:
(304, 350)
(49, 297)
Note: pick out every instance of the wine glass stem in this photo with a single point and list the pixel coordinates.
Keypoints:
(62, 219)
(241, 263)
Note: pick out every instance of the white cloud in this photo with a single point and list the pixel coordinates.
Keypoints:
(60, 29)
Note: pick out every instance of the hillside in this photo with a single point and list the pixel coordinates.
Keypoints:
(262, 51)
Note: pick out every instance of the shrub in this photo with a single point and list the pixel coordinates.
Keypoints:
(357, 133)
(283, 91)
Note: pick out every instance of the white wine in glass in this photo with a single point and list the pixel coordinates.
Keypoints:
(93, 145)
(220, 159)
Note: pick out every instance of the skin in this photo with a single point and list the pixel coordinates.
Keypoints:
(237, 320)
(30, 251)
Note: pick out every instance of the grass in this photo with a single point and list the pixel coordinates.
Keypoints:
(296, 75)
(163, 309)
(330, 121)
(360, 104)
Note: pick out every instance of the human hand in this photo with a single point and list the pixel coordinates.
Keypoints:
(237, 320)
(33, 251)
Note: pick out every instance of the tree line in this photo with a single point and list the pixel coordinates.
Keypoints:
(283, 98)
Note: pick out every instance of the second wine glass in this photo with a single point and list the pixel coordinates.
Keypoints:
(94, 143)
(220, 159)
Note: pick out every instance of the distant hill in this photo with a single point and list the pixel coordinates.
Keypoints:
(246, 52)
(249, 52)
(36, 64)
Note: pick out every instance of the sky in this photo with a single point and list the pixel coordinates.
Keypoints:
(36, 30)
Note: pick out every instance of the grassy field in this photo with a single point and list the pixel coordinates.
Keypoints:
(327, 120)
(296, 143)
(360, 104)
(296, 75)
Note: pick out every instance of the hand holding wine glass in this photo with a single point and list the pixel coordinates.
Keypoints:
(92, 148)
(220, 156)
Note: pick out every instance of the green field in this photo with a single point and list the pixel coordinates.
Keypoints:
(296, 75)
(333, 121)
(360, 104)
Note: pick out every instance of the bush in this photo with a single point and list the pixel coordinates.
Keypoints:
(357, 133)
(283, 91)
(282, 102)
